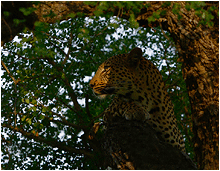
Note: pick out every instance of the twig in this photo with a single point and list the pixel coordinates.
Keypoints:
(68, 53)
(64, 103)
(87, 107)
(3, 64)
(9, 28)
(15, 81)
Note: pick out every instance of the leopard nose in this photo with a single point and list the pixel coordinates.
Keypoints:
(92, 85)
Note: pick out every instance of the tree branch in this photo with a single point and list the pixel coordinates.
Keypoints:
(15, 81)
(63, 120)
(135, 145)
(69, 87)
(87, 107)
(68, 53)
(53, 142)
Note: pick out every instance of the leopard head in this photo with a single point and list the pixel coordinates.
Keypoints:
(118, 75)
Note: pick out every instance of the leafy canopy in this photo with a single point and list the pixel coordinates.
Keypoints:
(48, 108)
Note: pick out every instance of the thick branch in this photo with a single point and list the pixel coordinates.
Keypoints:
(135, 145)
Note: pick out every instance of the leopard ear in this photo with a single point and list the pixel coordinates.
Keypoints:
(134, 57)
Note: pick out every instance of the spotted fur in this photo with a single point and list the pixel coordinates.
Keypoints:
(140, 94)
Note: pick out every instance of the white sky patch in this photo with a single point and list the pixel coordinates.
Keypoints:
(82, 102)
(62, 135)
(16, 39)
(66, 50)
(79, 135)
(6, 53)
(88, 78)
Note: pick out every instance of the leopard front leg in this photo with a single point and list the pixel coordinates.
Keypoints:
(125, 109)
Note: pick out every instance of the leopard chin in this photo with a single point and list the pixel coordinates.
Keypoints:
(101, 96)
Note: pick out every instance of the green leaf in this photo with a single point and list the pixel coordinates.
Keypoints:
(115, 25)
(41, 126)
(34, 108)
(27, 101)
(6, 13)
(41, 117)
(98, 13)
(80, 14)
(166, 4)
(23, 117)
(210, 24)
(38, 23)
(36, 124)
(44, 109)
(18, 21)
(34, 102)
(134, 23)
(50, 15)
(71, 15)
(188, 7)
(156, 15)
(27, 11)
(29, 121)
(163, 12)
(150, 19)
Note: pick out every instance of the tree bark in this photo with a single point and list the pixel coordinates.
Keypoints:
(197, 47)
(198, 50)
(135, 145)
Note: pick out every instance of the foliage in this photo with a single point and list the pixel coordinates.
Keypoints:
(134, 8)
(47, 105)
(205, 15)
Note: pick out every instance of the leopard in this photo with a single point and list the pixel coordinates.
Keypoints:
(139, 94)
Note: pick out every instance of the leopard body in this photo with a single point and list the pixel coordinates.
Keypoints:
(140, 94)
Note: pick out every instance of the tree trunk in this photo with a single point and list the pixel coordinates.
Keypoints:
(198, 50)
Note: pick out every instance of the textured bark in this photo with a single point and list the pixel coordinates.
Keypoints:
(135, 145)
(197, 47)
(198, 50)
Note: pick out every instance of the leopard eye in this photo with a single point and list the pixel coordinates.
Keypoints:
(106, 66)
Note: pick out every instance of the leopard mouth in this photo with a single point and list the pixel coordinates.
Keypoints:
(104, 92)
(108, 90)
